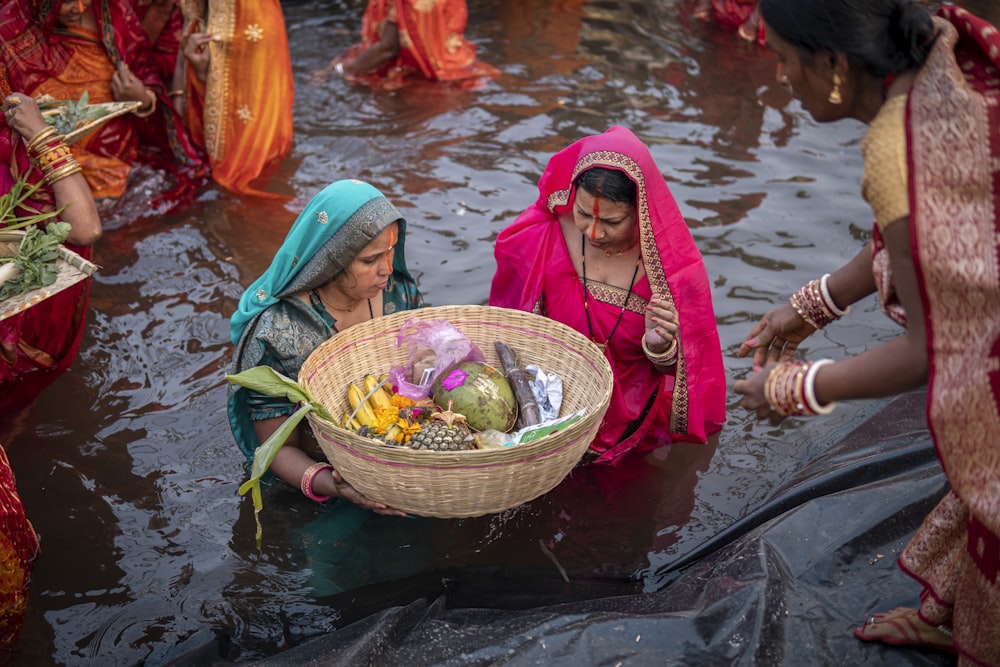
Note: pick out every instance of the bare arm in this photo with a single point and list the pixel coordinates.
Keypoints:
(890, 368)
(378, 54)
(71, 192)
(780, 331)
(900, 364)
(291, 462)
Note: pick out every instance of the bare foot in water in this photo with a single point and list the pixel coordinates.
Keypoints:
(903, 627)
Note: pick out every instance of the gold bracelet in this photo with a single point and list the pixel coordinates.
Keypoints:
(41, 136)
(665, 358)
(71, 167)
(151, 96)
(177, 93)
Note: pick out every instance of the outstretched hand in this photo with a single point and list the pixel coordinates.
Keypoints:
(776, 336)
(754, 398)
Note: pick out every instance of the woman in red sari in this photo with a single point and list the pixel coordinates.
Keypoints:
(606, 251)
(18, 553)
(404, 40)
(66, 48)
(46, 336)
(928, 90)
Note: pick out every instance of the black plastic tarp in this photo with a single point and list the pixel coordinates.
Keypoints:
(785, 585)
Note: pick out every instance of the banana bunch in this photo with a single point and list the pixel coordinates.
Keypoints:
(365, 400)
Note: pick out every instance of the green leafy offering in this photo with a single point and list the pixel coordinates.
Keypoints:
(34, 265)
(267, 381)
(73, 112)
(15, 212)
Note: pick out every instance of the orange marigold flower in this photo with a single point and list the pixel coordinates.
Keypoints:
(384, 418)
(400, 401)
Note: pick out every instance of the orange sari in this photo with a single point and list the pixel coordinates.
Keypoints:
(432, 45)
(243, 113)
(106, 155)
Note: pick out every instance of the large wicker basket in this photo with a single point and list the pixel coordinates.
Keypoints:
(464, 483)
(72, 269)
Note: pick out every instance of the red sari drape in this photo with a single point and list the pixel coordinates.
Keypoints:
(37, 51)
(18, 552)
(535, 273)
(45, 337)
(432, 41)
(953, 136)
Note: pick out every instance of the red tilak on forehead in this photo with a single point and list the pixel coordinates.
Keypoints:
(392, 244)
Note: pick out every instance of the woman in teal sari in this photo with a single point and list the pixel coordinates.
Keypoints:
(341, 264)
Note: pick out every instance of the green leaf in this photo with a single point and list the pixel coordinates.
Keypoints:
(265, 380)
(36, 259)
(18, 198)
(264, 456)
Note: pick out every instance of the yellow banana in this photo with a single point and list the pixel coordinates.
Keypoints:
(362, 410)
(348, 423)
(393, 435)
(378, 399)
(354, 395)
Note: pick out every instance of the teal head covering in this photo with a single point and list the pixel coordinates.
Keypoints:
(326, 237)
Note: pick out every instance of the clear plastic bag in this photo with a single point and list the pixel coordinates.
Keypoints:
(433, 346)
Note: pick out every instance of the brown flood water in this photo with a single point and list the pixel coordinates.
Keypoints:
(126, 464)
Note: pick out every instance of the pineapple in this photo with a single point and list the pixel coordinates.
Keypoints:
(444, 432)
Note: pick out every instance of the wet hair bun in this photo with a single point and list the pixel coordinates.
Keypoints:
(911, 32)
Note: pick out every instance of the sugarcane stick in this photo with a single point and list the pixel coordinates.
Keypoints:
(528, 413)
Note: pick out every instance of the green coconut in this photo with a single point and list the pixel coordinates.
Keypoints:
(478, 391)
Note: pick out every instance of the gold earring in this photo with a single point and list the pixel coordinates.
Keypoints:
(835, 97)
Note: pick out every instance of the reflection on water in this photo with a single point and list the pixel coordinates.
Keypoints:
(126, 464)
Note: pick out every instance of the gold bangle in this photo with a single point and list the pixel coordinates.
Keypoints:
(665, 358)
(41, 135)
(177, 93)
(71, 167)
(151, 96)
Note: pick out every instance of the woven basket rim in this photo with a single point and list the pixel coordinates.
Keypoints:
(72, 269)
(381, 325)
(467, 483)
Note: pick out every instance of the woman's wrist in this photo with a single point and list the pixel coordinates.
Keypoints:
(664, 357)
(790, 389)
(149, 106)
(308, 481)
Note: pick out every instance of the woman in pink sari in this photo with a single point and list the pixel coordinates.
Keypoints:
(606, 251)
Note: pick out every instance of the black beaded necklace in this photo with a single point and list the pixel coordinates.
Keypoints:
(586, 306)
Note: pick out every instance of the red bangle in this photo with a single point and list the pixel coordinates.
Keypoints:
(309, 476)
